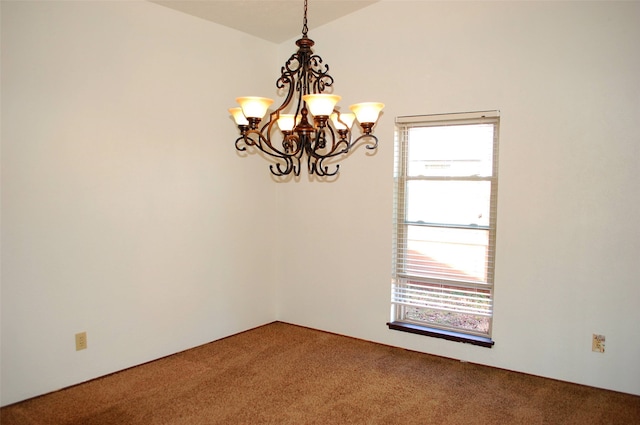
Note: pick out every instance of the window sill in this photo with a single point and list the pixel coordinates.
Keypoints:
(440, 333)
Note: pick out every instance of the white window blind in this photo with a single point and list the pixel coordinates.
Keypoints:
(445, 221)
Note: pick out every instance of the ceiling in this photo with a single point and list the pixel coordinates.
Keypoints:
(274, 21)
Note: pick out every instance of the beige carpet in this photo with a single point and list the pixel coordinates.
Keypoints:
(285, 374)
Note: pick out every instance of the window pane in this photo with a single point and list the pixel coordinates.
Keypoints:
(444, 253)
(462, 150)
(449, 202)
(447, 319)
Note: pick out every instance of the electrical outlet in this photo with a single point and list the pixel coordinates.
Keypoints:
(597, 344)
(81, 341)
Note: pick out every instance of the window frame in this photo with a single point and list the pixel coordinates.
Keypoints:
(401, 225)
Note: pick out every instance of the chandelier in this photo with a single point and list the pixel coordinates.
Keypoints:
(314, 128)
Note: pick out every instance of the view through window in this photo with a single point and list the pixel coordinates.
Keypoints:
(445, 221)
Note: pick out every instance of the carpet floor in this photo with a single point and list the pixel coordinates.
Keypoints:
(286, 374)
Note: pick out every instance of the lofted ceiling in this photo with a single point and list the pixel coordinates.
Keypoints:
(272, 20)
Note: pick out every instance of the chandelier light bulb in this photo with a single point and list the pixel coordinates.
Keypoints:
(346, 118)
(321, 105)
(238, 116)
(254, 107)
(367, 112)
(286, 122)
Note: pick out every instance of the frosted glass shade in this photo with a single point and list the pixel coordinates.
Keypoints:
(238, 116)
(346, 118)
(286, 122)
(321, 104)
(254, 107)
(367, 112)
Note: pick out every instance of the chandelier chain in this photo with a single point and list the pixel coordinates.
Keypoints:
(305, 29)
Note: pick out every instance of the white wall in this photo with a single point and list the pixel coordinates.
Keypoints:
(126, 211)
(566, 77)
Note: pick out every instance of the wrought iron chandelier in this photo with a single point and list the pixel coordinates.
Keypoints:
(288, 135)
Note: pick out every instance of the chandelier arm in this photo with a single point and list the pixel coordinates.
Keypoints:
(311, 164)
(334, 150)
(267, 147)
(373, 143)
(244, 139)
(250, 142)
(323, 170)
(290, 167)
(315, 159)
(288, 68)
(288, 75)
(315, 166)
(291, 143)
(318, 74)
(287, 141)
(291, 161)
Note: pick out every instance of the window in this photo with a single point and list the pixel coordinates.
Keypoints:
(445, 225)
